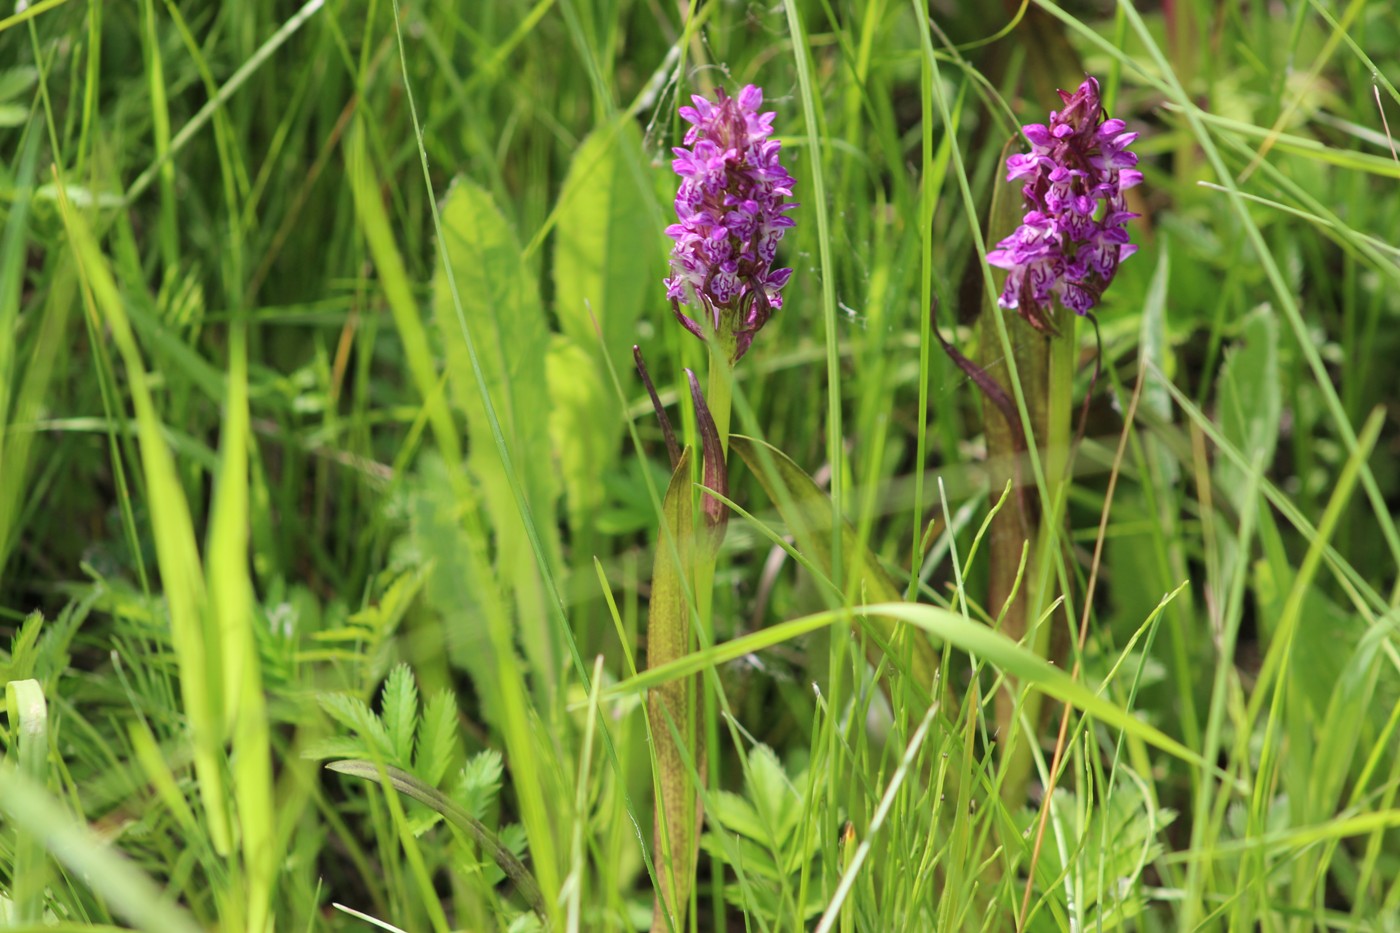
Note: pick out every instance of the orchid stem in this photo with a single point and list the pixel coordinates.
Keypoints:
(719, 399)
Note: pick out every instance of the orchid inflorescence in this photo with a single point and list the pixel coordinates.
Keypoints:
(1074, 232)
(732, 207)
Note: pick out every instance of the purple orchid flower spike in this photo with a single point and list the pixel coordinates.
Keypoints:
(1074, 232)
(732, 211)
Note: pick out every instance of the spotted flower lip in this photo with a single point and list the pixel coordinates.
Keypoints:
(731, 211)
(1074, 232)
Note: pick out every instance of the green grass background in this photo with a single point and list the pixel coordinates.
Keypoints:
(261, 264)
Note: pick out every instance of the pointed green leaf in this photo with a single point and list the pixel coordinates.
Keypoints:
(973, 637)
(671, 706)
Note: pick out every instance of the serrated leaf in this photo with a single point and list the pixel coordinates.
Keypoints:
(437, 737)
(755, 858)
(736, 815)
(768, 786)
(479, 782)
(502, 314)
(400, 711)
(353, 713)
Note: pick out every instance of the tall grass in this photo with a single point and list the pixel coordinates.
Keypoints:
(319, 442)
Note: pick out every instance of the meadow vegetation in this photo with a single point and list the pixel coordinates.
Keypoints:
(337, 528)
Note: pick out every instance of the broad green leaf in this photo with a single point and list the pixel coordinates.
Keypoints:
(606, 259)
(606, 264)
(502, 315)
(671, 707)
(582, 427)
(1249, 411)
(229, 580)
(398, 291)
(807, 512)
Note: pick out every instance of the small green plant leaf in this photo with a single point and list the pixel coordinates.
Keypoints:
(355, 715)
(480, 782)
(437, 737)
(770, 790)
(400, 711)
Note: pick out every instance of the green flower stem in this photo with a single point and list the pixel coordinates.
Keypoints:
(719, 397)
(719, 391)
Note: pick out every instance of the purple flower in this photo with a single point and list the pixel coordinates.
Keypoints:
(731, 209)
(1074, 232)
